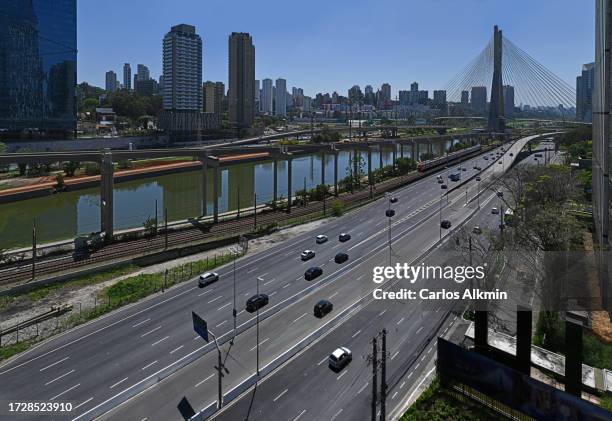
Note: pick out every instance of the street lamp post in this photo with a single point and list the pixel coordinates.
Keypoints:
(440, 224)
(257, 323)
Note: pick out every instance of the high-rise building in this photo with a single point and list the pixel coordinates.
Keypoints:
(38, 80)
(423, 97)
(266, 101)
(182, 69)
(479, 99)
(584, 93)
(213, 96)
(354, 94)
(404, 97)
(509, 101)
(439, 98)
(147, 87)
(257, 90)
(414, 92)
(127, 76)
(143, 72)
(241, 79)
(385, 92)
(111, 82)
(369, 96)
(465, 98)
(280, 99)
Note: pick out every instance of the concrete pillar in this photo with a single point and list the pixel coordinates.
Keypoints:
(394, 154)
(289, 186)
(573, 355)
(418, 150)
(370, 178)
(429, 148)
(401, 150)
(204, 186)
(336, 174)
(380, 156)
(323, 168)
(106, 194)
(356, 157)
(216, 181)
(414, 157)
(275, 182)
(523, 340)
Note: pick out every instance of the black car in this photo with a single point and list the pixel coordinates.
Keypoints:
(446, 224)
(393, 199)
(256, 302)
(478, 178)
(344, 237)
(322, 308)
(312, 273)
(444, 186)
(341, 258)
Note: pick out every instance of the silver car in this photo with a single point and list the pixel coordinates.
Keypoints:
(340, 358)
(208, 278)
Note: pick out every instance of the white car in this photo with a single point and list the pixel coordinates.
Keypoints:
(321, 238)
(208, 278)
(340, 358)
(307, 255)
(494, 211)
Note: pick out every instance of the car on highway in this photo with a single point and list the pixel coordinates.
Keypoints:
(486, 158)
(440, 181)
(478, 178)
(474, 167)
(307, 255)
(477, 230)
(322, 308)
(443, 186)
(500, 194)
(320, 239)
(446, 224)
(312, 273)
(463, 169)
(495, 211)
(207, 278)
(256, 302)
(478, 169)
(340, 358)
(341, 257)
(499, 162)
(393, 199)
(511, 154)
(344, 237)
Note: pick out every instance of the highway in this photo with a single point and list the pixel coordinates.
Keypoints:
(102, 359)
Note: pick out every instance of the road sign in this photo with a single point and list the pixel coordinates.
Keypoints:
(200, 326)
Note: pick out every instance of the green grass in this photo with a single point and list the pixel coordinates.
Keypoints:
(9, 351)
(437, 404)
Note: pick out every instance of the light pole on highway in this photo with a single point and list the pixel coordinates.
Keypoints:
(234, 311)
(389, 213)
(440, 224)
(478, 195)
(257, 323)
(220, 369)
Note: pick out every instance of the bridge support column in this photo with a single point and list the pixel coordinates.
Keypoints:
(323, 168)
(204, 186)
(430, 148)
(356, 159)
(289, 186)
(275, 182)
(106, 195)
(370, 178)
(216, 181)
(401, 150)
(413, 155)
(418, 150)
(380, 156)
(336, 174)
(394, 154)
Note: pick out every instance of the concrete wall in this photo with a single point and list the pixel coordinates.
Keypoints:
(87, 144)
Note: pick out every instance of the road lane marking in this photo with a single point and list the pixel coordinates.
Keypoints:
(161, 340)
(322, 361)
(395, 355)
(301, 413)
(260, 344)
(55, 363)
(82, 403)
(222, 323)
(287, 285)
(418, 330)
(303, 315)
(252, 270)
(270, 281)
(261, 276)
(57, 378)
(215, 299)
(242, 311)
(356, 333)
(359, 277)
(337, 413)
(343, 373)
(222, 307)
(176, 349)
(207, 378)
(279, 396)
(402, 385)
(151, 331)
(271, 294)
(401, 320)
(149, 365)
(205, 292)
(333, 295)
(65, 391)
(118, 383)
(141, 323)
(394, 395)
(362, 388)
(382, 312)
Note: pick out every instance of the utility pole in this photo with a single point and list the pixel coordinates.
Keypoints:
(34, 250)
(238, 202)
(166, 228)
(255, 210)
(156, 218)
(383, 379)
(257, 323)
(374, 380)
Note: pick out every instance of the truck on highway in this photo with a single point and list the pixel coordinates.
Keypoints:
(455, 176)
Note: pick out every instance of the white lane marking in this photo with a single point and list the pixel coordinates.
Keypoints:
(149, 365)
(343, 373)
(82, 403)
(141, 323)
(261, 276)
(419, 329)
(301, 413)
(382, 312)
(161, 340)
(394, 395)
(55, 363)
(270, 281)
(279, 396)
(260, 344)
(57, 378)
(286, 285)
(395, 355)
(356, 333)
(222, 307)
(298, 278)
(423, 359)
(428, 351)
(176, 349)
(322, 361)
(215, 299)
(151, 331)
(403, 384)
(362, 388)
(252, 270)
(205, 292)
(417, 366)
(303, 315)
(271, 294)
(337, 413)
(420, 384)
(222, 323)
(65, 391)
(333, 295)
(118, 383)
(360, 276)
(401, 320)
(242, 311)
(207, 378)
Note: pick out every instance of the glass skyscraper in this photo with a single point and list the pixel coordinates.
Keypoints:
(38, 53)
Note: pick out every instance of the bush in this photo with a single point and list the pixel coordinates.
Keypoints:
(125, 165)
(71, 167)
(337, 208)
(59, 179)
(92, 168)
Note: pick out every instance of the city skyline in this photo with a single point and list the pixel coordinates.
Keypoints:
(292, 58)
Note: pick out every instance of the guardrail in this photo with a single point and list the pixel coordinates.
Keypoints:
(54, 312)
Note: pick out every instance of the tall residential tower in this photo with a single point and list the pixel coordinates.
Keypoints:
(241, 79)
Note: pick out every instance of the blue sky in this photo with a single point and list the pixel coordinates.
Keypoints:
(326, 45)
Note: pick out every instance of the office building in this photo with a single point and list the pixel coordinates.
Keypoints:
(213, 96)
(479, 99)
(423, 97)
(465, 98)
(584, 93)
(280, 98)
(111, 82)
(257, 93)
(143, 72)
(38, 81)
(147, 87)
(439, 98)
(266, 101)
(354, 94)
(385, 92)
(241, 79)
(509, 101)
(414, 92)
(127, 76)
(404, 97)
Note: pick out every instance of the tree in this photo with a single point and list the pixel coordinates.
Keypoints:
(326, 136)
(71, 167)
(405, 165)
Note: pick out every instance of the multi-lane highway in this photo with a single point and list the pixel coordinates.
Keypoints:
(99, 363)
